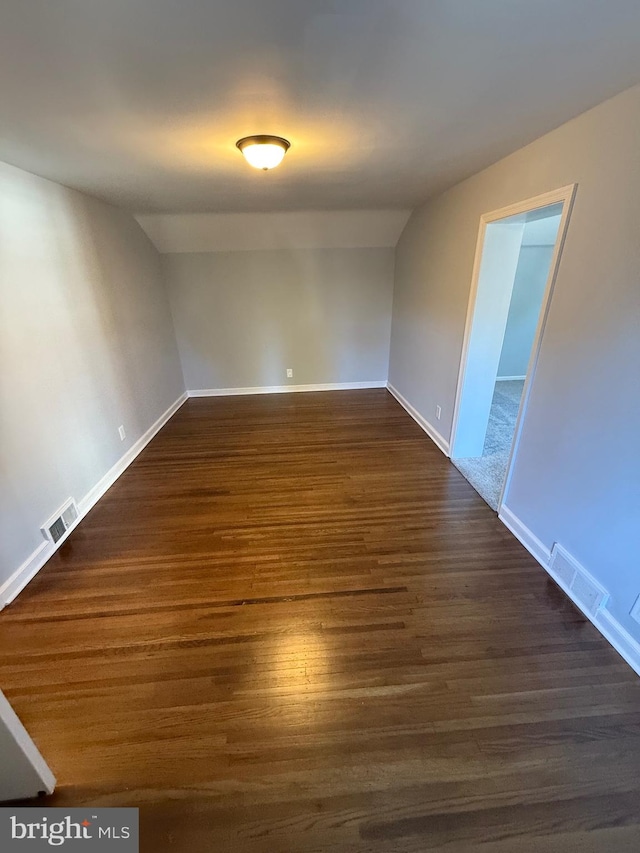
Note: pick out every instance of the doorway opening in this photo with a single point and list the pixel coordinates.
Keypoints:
(516, 261)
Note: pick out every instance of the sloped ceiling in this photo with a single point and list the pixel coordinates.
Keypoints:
(233, 232)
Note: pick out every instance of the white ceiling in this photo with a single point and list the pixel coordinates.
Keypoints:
(543, 231)
(385, 101)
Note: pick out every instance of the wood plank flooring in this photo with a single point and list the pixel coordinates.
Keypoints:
(293, 627)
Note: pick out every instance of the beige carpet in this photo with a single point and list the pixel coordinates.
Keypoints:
(486, 473)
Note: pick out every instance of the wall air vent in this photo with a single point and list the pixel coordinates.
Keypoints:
(57, 530)
(564, 566)
(61, 521)
(583, 588)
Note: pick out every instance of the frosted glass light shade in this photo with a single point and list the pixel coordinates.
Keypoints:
(263, 152)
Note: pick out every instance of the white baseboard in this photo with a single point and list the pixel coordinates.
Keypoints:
(23, 574)
(123, 463)
(286, 389)
(619, 638)
(509, 378)
(533, 545)
(430, 430)
(32, 565)
(603, 620)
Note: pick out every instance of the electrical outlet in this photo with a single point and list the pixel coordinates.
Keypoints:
(122, 433)
(289, 373)
(635, 610)
(438, 412)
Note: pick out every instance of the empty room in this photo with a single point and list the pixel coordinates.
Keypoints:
(319, 417)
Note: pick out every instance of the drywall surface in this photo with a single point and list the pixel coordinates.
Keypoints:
(524, 310)
(576, 476)
(500, 256)
(243, 318)
(304, 229)
(86, 344)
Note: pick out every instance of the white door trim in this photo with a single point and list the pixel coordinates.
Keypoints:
(565, 195)
(25, 774)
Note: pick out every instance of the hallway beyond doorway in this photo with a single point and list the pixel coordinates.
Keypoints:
(486, 473)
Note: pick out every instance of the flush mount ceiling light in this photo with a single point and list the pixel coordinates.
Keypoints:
(263, 152)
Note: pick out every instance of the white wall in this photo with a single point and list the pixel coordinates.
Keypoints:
(86, 344)
(243, 318)
(578, 468)
(304, 229)
(524, 310)
(500, 254)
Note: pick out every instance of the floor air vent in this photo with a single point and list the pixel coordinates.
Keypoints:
(56, 527)
(577, 580)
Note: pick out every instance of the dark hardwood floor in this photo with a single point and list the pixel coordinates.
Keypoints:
(292, 627)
